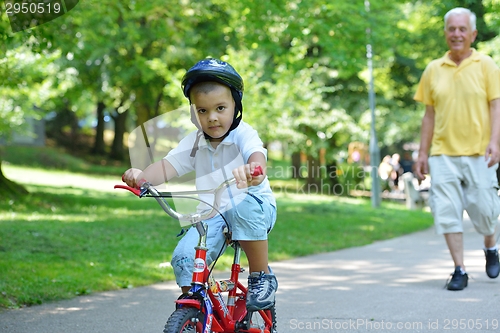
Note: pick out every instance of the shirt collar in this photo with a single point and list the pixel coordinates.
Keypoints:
(228, 140)
(445, 60)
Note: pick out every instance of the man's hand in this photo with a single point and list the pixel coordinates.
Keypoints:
(422, 166)
(492, 154)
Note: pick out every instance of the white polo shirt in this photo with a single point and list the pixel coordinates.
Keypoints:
(213, 166)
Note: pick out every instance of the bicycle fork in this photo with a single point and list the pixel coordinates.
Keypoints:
(197, 296)
(233, 313)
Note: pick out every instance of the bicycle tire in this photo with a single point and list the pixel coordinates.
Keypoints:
(181, 320)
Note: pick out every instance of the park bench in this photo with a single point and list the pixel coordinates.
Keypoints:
(414, 197)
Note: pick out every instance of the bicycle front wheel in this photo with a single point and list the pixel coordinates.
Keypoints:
(185, 320)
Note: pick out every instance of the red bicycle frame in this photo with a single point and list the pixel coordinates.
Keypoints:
(206, 294)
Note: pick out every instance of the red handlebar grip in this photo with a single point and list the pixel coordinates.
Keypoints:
(257, 171)
(131, 189)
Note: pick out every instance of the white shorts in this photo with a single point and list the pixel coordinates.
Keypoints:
(463, 183)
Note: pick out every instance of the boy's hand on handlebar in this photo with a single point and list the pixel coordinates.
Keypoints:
(130, 177)
(248, 175)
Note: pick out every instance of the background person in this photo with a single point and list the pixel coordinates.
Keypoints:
(384, 171)
(407, 162)
(397, 171)
(461, 132)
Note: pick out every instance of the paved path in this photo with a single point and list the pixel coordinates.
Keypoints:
(389, 286)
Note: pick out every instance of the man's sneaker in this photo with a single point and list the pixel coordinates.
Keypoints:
(492, 263)
(458, 280)
(261, 291)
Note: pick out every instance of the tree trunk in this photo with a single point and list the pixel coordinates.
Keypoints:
(143, 106)
(65, 118)
(99, 145)
(153, 139)
(117, 148)
(9, 189)
(313, 170)
(296, 165)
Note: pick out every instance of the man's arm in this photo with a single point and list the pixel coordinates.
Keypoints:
(493, 148)
(426, 133)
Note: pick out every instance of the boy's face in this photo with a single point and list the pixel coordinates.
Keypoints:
(215, 111)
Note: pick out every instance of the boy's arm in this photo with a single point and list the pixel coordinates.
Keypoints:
(243, 174)
(156, 173)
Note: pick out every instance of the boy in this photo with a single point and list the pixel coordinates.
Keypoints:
(223, 147)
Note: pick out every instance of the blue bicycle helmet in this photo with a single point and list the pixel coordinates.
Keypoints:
(218, 71)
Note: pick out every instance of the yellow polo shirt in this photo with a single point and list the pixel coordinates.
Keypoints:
(460, 96)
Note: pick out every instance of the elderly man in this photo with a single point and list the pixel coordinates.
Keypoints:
(460, 142)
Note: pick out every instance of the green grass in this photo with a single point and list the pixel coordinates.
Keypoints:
(66, 240)
(309, 224)
(58, 159)
(62, 242)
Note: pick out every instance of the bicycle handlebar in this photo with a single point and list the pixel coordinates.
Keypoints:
(147, 189)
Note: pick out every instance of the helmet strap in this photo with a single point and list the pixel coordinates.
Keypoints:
(238, 109)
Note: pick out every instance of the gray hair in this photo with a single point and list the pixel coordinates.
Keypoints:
(460, 11)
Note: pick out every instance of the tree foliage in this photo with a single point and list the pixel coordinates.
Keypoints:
(304, 63)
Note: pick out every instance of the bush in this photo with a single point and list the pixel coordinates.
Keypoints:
(346, 177)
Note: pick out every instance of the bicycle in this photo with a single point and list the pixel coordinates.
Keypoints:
(204, 309)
